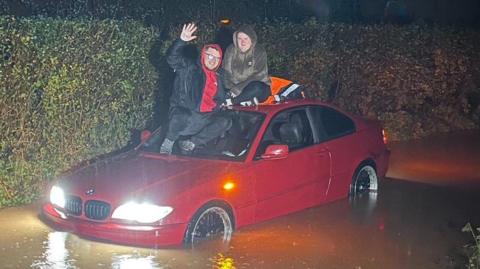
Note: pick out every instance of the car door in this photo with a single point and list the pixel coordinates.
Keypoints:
(293, 182)
(336, 133)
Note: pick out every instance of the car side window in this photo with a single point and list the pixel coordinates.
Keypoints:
(291, 128)
(330, 123)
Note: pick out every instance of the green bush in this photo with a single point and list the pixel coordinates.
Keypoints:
(69, 91)
(417, 79)
(473, 249)
(72, 90)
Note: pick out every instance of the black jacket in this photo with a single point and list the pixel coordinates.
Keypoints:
(190, 79)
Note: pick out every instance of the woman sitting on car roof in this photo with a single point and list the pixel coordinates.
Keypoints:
(245, 68)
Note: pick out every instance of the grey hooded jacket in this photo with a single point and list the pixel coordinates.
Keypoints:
(241, 68)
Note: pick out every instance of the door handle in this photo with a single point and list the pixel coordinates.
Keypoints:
(322, 153)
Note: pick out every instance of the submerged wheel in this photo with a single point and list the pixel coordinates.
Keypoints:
(209, 223)
(365, 179)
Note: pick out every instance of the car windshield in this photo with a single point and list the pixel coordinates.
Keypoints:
(234, 144)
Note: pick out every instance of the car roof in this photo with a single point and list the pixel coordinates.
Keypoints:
(272, 108)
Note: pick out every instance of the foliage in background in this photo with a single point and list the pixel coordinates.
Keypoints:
(69, 91)
(73, 89)
(473, 249)
(417, 79)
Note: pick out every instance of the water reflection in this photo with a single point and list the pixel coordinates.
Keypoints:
(363, 206)
(55, 254)
(134, 261)
(223, 262)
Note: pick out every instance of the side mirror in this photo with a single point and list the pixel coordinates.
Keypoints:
(274, 152)
(145, 135)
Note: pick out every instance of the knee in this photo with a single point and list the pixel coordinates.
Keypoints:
(225, 123)
(256, 86)
(261, 90)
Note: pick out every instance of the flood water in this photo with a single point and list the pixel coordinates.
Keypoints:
(414, 221)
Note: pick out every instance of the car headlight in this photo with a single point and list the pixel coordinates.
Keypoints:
(143, 213)
(57, 196)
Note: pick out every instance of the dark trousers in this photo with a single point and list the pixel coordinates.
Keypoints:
(253, 89)
(201, 128)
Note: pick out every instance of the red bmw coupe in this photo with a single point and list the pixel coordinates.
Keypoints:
(274, 160)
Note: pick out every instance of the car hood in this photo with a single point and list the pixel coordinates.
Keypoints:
(138, 174)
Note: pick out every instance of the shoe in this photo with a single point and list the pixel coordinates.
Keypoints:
(228, 102)
(228, 153)
(167, 146)
(186, 146)
(253, 102)
(246, 103)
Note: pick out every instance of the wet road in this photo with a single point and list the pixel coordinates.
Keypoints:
(414, 221)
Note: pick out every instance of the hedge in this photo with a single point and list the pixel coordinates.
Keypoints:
(69, 91)
(74, 89)
(417, 79)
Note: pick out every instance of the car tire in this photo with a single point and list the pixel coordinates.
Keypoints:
(210, 222)
(364, 180)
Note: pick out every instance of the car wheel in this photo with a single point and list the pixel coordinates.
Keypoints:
(209, 223)
(365, 179)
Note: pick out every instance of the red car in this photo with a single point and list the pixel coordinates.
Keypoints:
(274, 160)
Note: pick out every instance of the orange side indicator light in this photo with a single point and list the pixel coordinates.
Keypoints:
(229, 186)
(384, 136)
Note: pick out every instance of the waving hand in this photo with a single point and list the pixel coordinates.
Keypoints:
(188, 31)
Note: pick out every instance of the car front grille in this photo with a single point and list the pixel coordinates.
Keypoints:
(97, 210)
(73, 205)
(93, 209)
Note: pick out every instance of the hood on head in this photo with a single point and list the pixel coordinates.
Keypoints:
(202, 54)
(248, 30)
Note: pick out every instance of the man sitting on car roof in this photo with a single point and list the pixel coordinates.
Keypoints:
(197, 94)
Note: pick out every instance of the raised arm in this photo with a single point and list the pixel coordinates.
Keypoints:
(175, 57)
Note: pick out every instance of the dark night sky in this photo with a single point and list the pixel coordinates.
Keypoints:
(355, 11)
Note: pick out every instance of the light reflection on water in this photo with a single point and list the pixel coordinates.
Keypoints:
(61, 250)
(134, 261)
(223, 262)
(363, 206)
(55, 254)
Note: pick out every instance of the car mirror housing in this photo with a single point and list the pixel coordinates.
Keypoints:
(145, 135)
(274, 152)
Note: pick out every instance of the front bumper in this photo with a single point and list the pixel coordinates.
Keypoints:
(137, 235)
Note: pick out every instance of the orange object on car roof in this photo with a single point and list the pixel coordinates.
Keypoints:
(276, 85)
